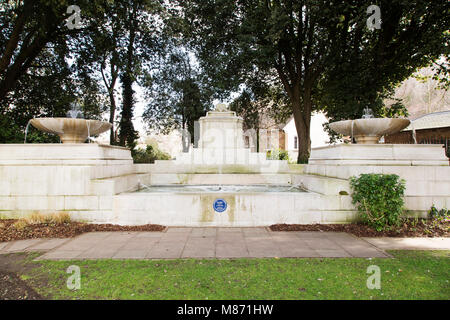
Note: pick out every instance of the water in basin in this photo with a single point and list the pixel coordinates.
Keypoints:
(221, 189)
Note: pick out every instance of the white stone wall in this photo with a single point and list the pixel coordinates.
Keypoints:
(425, 169)
(244, 209)
(80, 179)
(96, 183)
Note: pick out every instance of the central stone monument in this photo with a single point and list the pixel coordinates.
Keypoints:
(221, 129)
(221, 142)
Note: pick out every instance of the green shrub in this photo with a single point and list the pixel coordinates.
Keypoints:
(149, 155)
(379, 199)
(439, 214)
(277, 154)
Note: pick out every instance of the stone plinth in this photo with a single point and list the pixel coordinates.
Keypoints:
(62, 154)
(221, 130)
(380, 154)
(80, 179)
(221, 142)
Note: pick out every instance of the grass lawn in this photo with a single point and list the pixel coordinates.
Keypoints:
(410, 275)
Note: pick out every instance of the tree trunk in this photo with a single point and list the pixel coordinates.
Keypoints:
(128, 135)
(110, 86)
(14, 38)
(19, 55)
(300, 97)
(112, 114)
(257, 139)
(303, 134)
(21, 63)
(302, 109)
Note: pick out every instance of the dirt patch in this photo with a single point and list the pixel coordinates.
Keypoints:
(12, 287)
(419, 228)
(8, 232)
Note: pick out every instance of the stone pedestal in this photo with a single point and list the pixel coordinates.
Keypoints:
(221, 142)
(221, 130)
(80, 179)
(380, 154)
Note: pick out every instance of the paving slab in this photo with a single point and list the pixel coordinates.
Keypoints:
(138, 244)
(333, 253)
(410, 243)
(175, 237)
(292, 252)
(220, 243)
(322, 244)
(79, 244)
(255, 231)
(227, 251)
(47, 244)
(199, 251)
(61, 255)
(166, 250)
(179, 230)
(98, 253)
(262, 249)
(229, 229)
(2, 245)
(97, 235)
(149, 234)
(203, 232)
(21, 245)
(130, 254)
(309, 234)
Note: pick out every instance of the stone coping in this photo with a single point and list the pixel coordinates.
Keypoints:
(380, 145)
(66, 151)
(63, 145)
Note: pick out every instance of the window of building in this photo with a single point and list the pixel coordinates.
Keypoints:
(295, 143)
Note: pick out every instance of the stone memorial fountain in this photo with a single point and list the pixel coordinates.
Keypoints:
(367, 150)
(72, 129)
(368, 129)
(219, 183)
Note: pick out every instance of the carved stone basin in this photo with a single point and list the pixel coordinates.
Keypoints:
(369, 131)
(71, 130)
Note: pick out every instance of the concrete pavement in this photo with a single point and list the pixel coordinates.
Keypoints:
(220, 243)
(410, 243)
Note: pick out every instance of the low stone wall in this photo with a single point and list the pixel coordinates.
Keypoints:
(243, 209)
(96, 183)
(425, 168)
(80, 179)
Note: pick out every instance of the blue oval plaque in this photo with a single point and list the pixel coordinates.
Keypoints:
(220, 205)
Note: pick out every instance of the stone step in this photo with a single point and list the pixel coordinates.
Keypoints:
(109, 171)
(322, 185)
(420, 180)
(171, 166)
(413, 173)
(115, 185)
(211, 156)
(227, 178)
